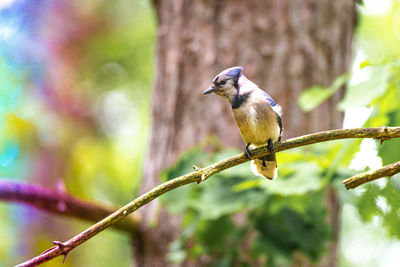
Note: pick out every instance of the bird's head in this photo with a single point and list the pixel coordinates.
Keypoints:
(226, 84)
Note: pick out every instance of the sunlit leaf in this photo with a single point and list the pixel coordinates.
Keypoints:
(316, 95)
(364, 93)
(313, 97)
(365, 63)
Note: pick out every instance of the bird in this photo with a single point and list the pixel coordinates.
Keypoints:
(256, 114)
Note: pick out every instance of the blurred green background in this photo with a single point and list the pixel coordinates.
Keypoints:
(75, 98)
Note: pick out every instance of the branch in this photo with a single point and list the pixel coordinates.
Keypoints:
(201, 174)
(369, 176)
(59, 203)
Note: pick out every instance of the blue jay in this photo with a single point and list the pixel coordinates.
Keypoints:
(256, 114)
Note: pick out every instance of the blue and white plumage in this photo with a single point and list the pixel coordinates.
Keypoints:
(256, 114)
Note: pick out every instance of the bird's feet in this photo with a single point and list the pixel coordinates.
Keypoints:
(247, 151)
(270, 146)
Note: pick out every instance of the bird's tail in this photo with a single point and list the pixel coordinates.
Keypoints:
(265, 166)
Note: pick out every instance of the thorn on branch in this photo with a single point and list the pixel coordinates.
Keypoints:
(195, 168)
(384, 138)
(61, 246)
(206, 174)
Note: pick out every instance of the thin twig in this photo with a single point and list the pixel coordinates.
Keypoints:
(60, 203)
(382, 133)
(369, 176)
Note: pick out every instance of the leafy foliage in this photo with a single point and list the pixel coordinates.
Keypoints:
(278, 220)
(291, 224)
(382, 51)
(382, 202)
(379, 89)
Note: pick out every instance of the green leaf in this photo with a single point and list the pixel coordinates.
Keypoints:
(246, 185)
(364, 93)
(365, 63)
(313, 97)
(316, 95)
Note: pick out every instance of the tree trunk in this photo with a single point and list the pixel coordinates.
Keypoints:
(285, 46)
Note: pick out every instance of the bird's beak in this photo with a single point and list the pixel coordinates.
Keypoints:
(209, 90)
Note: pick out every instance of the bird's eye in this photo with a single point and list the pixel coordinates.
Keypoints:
(222, 82)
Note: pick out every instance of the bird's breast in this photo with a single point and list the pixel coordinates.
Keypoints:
(257, 123)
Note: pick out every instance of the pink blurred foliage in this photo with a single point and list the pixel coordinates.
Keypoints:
(63, 35)
(66, 34)
(56, 37)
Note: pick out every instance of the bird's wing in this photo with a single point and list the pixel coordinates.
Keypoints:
(278, 118)
(276, 108)
(268, 98)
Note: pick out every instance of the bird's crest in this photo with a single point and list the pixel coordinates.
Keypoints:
(233, 72)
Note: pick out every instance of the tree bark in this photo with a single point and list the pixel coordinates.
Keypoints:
(285, 46)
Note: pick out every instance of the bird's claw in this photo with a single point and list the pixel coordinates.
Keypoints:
(247, 151)
(270, 146)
